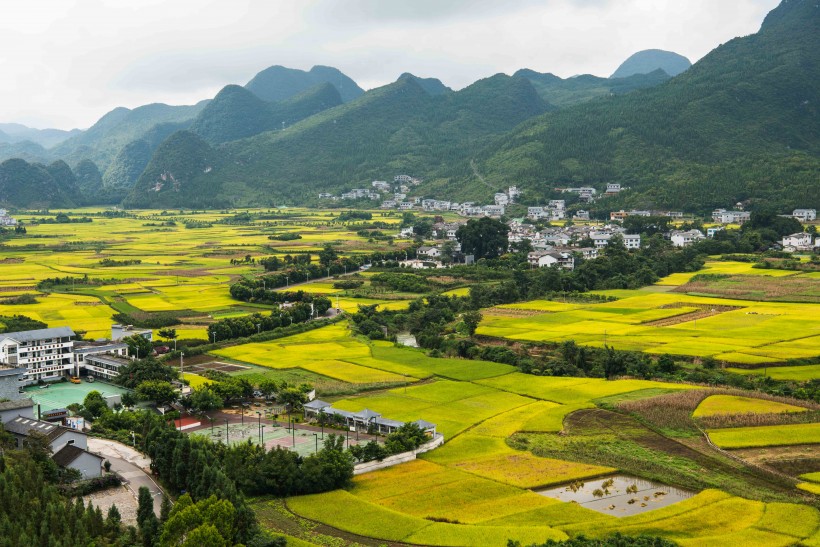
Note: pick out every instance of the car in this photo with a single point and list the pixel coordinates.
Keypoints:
(75, 380)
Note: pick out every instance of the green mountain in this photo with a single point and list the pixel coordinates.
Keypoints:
(432, 86)
(740, 125)
(277, 83)
(398, 128)
(34, 185)
(103, 141)
(563, 92)
(178, 175)
(236, 113)
(650, 60)
(89, 178)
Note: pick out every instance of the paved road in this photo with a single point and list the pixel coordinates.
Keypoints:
(130, 464)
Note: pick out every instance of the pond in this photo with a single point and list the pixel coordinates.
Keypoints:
(407, 339)
(618, 495)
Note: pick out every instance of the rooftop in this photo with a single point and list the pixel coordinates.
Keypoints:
(39, 334)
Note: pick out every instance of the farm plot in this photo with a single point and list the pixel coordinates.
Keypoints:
(733, 404)
(680, 324)
(762, 436)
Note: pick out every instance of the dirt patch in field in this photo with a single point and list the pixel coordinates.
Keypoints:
(512, 312)
(761, 288)
(703, 310)
(12, 260)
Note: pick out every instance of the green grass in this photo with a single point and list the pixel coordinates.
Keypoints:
(777, 435)
(799, 373)
(347, 512)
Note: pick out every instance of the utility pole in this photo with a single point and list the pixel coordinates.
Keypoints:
(181, 355)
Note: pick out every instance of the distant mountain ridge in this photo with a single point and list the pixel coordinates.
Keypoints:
(278, 83)
(650, 60)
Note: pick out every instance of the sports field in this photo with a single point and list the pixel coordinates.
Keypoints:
(62, 394)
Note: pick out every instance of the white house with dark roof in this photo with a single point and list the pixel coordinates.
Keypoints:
(56, 435)
(364, 420)
(685, 238)
(72, 457)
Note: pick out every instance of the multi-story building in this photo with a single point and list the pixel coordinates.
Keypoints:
(803, 215)
(6, 220)
(100, 360)
(684, 239)
(797, 242)
(46, 354)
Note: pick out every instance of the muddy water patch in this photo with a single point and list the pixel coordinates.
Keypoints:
(618, 495)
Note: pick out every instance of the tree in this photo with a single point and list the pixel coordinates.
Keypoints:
(666, 364)
(158, 391)
(136, 372)
(95, 404)
(471, 320)
(292, 397)
(138, 346)
(169, 333)
(205, 399)
(145, 506)
(483, 238)
(328, 255)
(128, 399)
(268, 387)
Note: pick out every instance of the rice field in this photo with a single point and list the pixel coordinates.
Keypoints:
(762, 436)
(734, 331)
(733, 404)
(179, 270)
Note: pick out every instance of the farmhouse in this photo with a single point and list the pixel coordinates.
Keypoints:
(6, 220)
(364, 420)
(797, 242)
(805, 215)
(730, 217)
(72, 457)
(543, 259)
(684, 239)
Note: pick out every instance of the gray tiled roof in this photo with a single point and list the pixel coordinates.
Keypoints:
(39, 334)
(14, 405)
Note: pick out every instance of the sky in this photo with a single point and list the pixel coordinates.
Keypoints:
(68, 62)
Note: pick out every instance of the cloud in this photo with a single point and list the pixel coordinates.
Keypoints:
(67, 63)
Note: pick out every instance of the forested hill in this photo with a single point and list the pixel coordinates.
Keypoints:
(650, 60)
(399, 127)
(236, 113)
(741, 124)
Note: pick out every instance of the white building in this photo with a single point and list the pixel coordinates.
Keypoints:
(632, 241)
(46, 354)
(723, 216)
(613, 188)
(403, 179)
(118, 332)
(501, 198)
(428, 252)
(684, 239)
(545, 259)
(803, 215)
(493, 210)
(406, 205)
(581, 215)
(797, 242)
(6, 220)
(381, 186)
(710, 232)
(100, 360)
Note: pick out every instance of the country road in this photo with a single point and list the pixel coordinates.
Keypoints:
(131, 465)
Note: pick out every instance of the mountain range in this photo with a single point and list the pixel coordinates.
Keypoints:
(740, 125)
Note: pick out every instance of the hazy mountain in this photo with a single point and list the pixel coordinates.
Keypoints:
(564, 92)
(15, 132)
(650, 60)
(741, 124)
(277, 83)
(102, 141)
(432, 86)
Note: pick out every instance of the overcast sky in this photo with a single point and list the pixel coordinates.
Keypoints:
(66, 63)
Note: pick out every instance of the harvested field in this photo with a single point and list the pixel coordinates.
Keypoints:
(792, 288)
(701, 311)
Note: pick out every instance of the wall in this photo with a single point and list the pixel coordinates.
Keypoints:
(396, 459)
(89, 465)
(9, 383)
